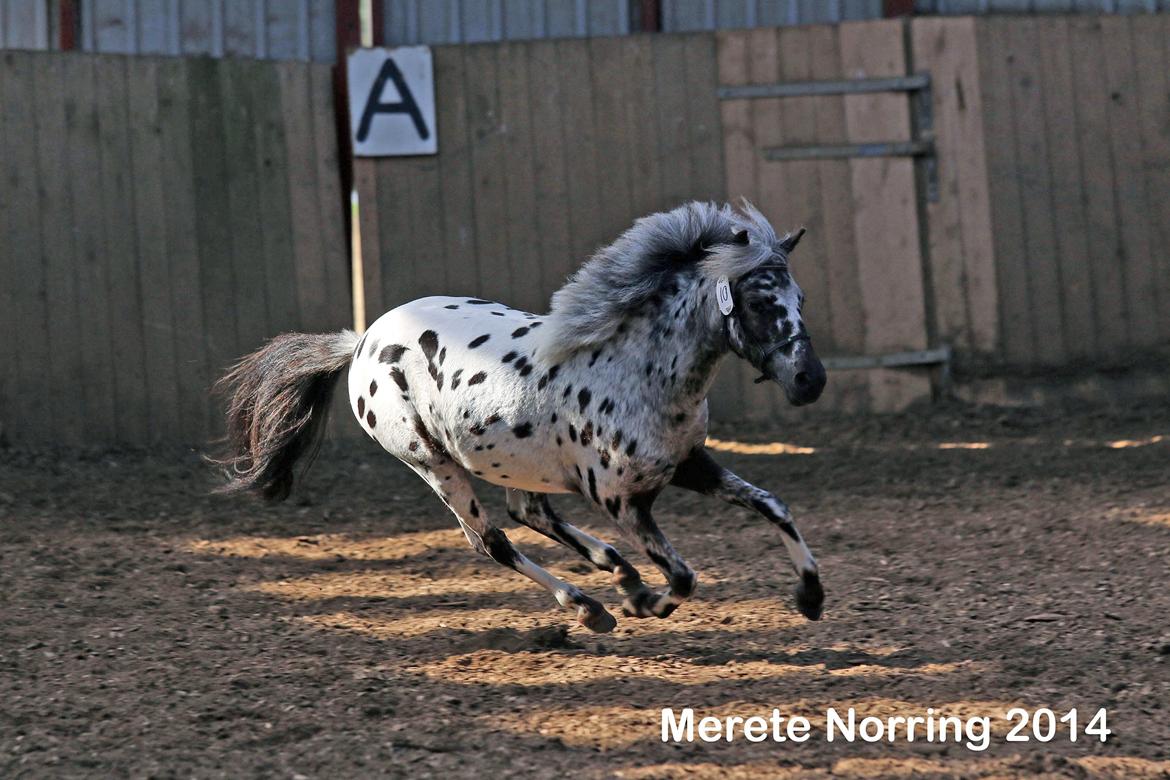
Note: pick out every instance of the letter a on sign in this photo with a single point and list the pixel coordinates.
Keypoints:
(392, 102)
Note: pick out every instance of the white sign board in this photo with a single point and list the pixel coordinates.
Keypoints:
(392, 102)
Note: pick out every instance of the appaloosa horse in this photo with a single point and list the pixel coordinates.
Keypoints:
(605, 396)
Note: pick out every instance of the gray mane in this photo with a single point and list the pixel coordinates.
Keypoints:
(621, 278)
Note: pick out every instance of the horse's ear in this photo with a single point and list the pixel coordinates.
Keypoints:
(791, 240)
(740, 238)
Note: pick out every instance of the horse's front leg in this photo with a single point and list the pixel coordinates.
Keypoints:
(700, 473)
(633, 517)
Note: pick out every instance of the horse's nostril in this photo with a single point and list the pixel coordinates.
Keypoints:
(802, 380)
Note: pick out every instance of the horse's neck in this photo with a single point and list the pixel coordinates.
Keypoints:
(669, 356)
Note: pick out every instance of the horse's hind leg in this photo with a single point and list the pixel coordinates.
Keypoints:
(453, 484)
(535, 511)
(634, 518)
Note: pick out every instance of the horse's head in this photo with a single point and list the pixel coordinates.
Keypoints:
(766, 329)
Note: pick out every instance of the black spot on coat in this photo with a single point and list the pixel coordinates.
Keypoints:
(475, 342)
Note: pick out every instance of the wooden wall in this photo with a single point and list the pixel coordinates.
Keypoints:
(161, 217)
(548, 150)
(1076, 124)
(861, 265)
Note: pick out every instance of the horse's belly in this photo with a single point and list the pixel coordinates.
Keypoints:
(503, 463)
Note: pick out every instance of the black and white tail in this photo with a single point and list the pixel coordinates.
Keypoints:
(278, 403)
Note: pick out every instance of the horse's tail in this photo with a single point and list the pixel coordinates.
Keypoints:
(278, 402)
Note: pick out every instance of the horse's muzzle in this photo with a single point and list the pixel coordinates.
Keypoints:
(808, 379)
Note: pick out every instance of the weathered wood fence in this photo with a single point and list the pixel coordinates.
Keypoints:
(159, 218)
(1041, 242)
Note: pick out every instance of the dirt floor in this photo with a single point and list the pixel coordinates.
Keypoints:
(973, 560)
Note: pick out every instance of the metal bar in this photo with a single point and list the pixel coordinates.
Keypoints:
(922, 357)
(841, 151)
(806, 88)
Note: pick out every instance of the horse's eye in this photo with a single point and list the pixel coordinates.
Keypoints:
(758, 306)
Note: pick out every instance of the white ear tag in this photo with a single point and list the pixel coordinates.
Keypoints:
(723, 295)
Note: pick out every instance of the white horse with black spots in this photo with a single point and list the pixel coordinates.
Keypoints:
(605, 396)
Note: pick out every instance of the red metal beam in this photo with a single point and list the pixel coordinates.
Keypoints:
(897, 8)
(68, 22)
(349, 36)
(650, 16)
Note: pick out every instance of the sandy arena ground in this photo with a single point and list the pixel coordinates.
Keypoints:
(973, 560)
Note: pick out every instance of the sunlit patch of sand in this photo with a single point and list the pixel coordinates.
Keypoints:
(384, 584)
(1122, 444)
(1141, 515)
(497, 668)
(408, 624)
(1124, 767)
(608, 727)
(965, 445)
(706, 771)
(768, 448)
(330, 546)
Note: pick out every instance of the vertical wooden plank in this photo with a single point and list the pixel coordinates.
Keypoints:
(1059, 101)
(307, 242)
(886, 213)
(223, 306)
(803, 195)
(28, 413)
(524, 252)
(960, 241)
(585, 183)
(1035, 188)
(1006, 207)
(332, 214)
(63, 358)
(803, 183)
(455, 174)
(149, 232)
(772, 192)
(740, 160)
(84, 152)
(1151, 48)
(1092, 129)
(398, 267)
(242, 205)
(8, 320)
(705, 136)
(121, 251)
(490, 173)
(645, 166)
(671, 98)
(847, 390)
(273, 211)
(550, 168)
(1133, 208)
(365, 182)
(190, 350)
(609, 84)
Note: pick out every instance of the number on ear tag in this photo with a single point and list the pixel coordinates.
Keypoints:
(723, 295)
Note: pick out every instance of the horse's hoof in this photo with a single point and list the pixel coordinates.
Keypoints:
(639, 604)
(810, 596)
(598, 620)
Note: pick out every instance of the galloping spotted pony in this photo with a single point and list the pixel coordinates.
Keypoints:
(604, 396)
